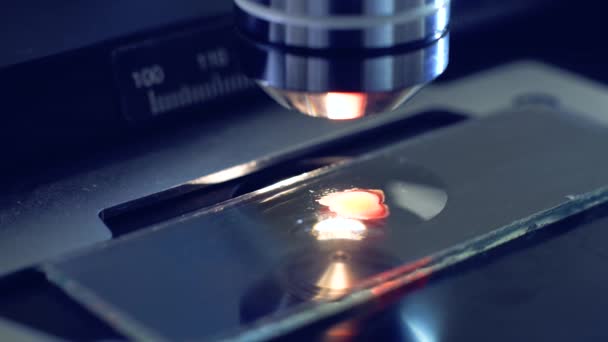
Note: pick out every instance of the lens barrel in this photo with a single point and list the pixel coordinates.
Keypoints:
(351, 58)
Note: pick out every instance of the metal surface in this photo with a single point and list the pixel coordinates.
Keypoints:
(347, 71)
(315, 84)
(315, 49)
(496, 173)
(40, 221)
(336, 24)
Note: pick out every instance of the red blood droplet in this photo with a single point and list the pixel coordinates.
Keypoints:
(361, 204)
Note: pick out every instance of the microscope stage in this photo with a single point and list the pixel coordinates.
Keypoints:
(313, 245)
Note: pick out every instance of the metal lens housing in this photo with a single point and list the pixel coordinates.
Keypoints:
(343, 59)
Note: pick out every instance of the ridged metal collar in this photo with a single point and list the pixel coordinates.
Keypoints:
(339, 23)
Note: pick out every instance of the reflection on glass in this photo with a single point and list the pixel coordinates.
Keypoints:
(339, 228)
(421, 200)
(227, 174)
(420, 332)
(330, 271)
(337, 277)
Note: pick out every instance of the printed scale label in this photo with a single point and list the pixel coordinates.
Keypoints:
(178, 73)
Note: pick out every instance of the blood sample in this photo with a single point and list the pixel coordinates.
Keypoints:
(360, 204)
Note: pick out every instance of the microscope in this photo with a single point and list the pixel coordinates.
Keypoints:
(220, 216)
(343, 60)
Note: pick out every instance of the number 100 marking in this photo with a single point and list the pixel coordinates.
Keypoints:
(148, 77)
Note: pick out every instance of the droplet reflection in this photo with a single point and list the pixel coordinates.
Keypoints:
(339, 228)
(424, 201)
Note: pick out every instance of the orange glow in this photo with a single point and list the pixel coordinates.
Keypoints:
(335, 277)
(359, 204)
(339, 228)
(346, 331)
(345, 106)
(402, 276)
